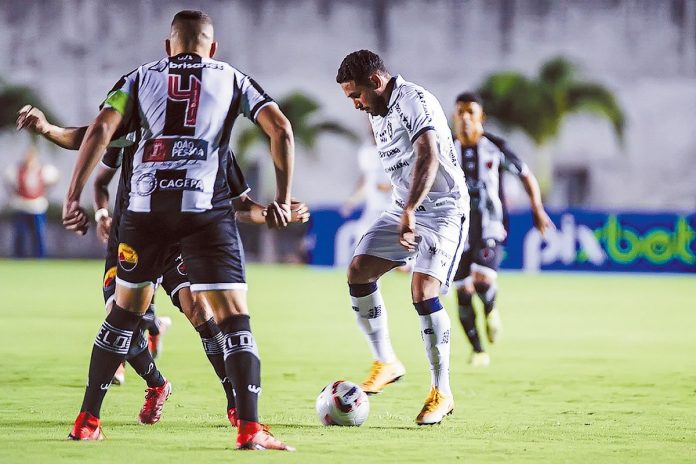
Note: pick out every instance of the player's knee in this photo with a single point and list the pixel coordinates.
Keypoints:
(358, 271)
(198, 313)
(482, 287)
(463, 297)
(424, 287)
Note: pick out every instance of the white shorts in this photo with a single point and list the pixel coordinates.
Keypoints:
(439, 250)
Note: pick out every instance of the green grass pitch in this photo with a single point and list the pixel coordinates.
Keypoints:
(591, 368)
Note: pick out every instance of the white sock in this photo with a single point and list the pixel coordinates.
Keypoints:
(435, 330)
(371, 314)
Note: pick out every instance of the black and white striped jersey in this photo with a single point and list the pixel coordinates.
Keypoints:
(183, 109)
(483, 165)
(114, 158)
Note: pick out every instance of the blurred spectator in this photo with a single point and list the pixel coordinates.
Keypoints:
(374, 191)
(27, 183)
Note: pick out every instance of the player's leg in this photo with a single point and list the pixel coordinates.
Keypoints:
(109, 291)
(463, 283)
(215, 266)
(484, 273)
(175, 283)
(438, 256)
(377, 253)
(156, 328)
(138, 266)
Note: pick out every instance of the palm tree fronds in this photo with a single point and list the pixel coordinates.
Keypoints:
(593, 98)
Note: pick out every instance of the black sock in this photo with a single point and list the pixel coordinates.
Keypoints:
(150, 320)
(110, 349)
(141, 361)
(467, 317)
(213, 343)
(242, 365)
(487, 293)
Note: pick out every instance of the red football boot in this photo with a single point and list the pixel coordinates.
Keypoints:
(256, 437)
(86, 428)
(154, 402)
(232, 416)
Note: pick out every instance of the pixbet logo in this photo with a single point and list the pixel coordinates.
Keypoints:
(560, 245)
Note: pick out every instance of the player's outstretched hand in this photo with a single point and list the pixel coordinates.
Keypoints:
(407, 231)
(104, 228)
(32, 119)
(542, 221)
(277, 215)
(299, 212)
(74, 217)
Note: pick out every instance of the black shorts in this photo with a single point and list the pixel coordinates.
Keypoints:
(482, 255)
(210, 247)
(173, 278)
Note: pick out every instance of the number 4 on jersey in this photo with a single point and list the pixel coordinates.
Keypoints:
(190, 96)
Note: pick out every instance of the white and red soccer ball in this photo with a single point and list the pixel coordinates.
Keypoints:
(342, 403)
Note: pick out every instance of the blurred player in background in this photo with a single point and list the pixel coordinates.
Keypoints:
(28, 182)
(484, 158)
(374, 190)
(426, 223)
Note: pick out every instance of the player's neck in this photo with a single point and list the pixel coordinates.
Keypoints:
(190, 51)
(386, 95)
(469, 140)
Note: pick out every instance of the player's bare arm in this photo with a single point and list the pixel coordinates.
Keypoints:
(101, 202)
(542, 221)
(249, 211)
(277, 127)
(424, 173)
(33, 119)
(95, 142)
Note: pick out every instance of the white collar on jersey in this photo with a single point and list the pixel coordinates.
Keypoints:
(398, 82)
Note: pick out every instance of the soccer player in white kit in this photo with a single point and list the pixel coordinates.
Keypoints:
(426, 224)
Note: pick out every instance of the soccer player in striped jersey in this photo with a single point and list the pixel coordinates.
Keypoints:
(484, 158)
(174, 280)
(183, 108)
(426, 223)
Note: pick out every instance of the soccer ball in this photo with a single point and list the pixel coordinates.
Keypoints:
(342, 403)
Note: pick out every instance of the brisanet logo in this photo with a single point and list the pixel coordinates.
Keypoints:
(613, 245)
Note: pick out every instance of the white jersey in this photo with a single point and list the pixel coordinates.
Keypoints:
(182, 109)
(412, 111)
(373, 173)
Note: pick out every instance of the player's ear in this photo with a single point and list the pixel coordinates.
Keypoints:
(213, 49)
(483, 116)
(375, 81)
(168, 47)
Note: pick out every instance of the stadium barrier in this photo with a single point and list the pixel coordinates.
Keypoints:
(585, 240)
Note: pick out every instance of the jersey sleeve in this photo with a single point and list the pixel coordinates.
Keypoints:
(112, 158)
(235, 179)
(121, 97)
(513, 164)
(509, 161)
(253, 97)
(415, 114)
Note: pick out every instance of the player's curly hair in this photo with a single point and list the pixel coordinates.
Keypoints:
(358, 66)
(469, 97)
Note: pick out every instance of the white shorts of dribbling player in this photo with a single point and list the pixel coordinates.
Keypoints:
(441, 243)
